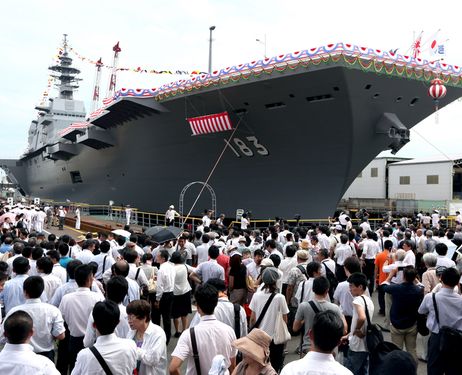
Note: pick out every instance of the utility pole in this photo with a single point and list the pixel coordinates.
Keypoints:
(211, 28)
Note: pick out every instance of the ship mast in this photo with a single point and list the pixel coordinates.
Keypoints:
(112, 80)
(66, 74)
(95, 99)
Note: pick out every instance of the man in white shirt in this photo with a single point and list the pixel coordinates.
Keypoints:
(289, 262)
(52, 282)
(128, 214)
(212, 336)
(244, 222)
(135, 273)
(225, 311)
(409, 258)
(58, 270)
(13, 290)
(164, 293)
(210, 269)
(170, 215)
(325, 335)
(442, 260)
(48, 321)
(254, 267)
(62, 217)
(207, 219)
(116, 291)
(86, 255)
(120, 354)
(203, 249)
(104, 260)
(17, 357)
(358, 356)
(76, 308)
(370, 250)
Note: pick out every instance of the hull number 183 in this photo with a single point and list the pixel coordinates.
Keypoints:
(249, 148)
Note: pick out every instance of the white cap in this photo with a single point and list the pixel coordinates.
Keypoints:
(172, 207)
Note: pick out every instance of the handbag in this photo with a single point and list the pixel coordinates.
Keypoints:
(281, 333)
(450, 338)
(374, 335)
(422, 325)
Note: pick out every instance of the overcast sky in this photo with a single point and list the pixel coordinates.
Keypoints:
(174, 35)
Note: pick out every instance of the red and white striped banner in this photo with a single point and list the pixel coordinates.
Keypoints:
(218, 122)
(72, 127)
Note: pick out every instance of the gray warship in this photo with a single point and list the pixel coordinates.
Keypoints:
(303, 125)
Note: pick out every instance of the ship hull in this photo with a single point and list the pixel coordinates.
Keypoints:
(301, 139)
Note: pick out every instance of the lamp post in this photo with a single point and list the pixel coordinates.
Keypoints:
(211, 28)
(264, 44)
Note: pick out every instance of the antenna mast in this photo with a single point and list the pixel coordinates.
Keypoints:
(65, 74)
(95, 100)
(112, 81)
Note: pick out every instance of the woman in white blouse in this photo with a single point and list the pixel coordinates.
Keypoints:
(277, 306)
(181, 294)
(149, 338)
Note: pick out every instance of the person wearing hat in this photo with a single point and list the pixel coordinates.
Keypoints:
(269, 320)
(170, 215)
(128, 213)
(255, 354)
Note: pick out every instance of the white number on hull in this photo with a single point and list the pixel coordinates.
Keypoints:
(244, 149)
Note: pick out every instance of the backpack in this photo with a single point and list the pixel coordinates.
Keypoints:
(374, 335)
(378, 357)
(333, 282)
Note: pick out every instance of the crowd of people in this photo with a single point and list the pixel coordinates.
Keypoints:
(106, 304)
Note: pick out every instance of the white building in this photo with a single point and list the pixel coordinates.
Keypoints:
(432, 178)
(371, 183)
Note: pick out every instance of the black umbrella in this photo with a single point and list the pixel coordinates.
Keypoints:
(166, 234)
(154, 230)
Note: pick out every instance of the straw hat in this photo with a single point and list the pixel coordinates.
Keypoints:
(303, 254)
(255, 345)
(305, 244)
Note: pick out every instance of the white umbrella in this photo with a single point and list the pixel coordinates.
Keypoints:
(121, 232)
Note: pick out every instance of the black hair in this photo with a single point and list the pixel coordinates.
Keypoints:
(45, 264)
(164, 254)
(121, 268)
(117, 288)
(219, 284)
(94, 267)
(140, 308)
(34, 286)
(271, 243)
(343, 238)
(214, 252)
(324, 253)
(450, 277)
(388, 244)
(52, 238)
(4, 266)
(88, 243)
(18, 327)
(105, 246)
(53, 254)
(259, 252)
(130, 255)
(27, 252)
(441, 248)
(313, 267)
(205, 238)
(276, 260)
(82, 273)
(63, 249)
(352, 264)
(21, 265)
(106, 315)
(358, 279)
(320, 285)
(409, 274)
(71, 266)
(176, 258)
(64, 238)
(291, 250)
(327, 330)
(207, 298)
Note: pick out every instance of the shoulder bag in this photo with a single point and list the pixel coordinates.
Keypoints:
(101, 360)
(374, 335)
(450, 338)
(281, 333)
(263, 312)
(197, 362)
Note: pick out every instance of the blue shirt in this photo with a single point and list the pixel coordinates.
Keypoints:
(64, 260)
(406, 301)
(6, 248)
(13, 293)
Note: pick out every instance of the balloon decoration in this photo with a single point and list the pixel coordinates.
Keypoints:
(437, 91)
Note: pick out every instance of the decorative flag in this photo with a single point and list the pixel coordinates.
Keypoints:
(416, 46)
(218, 122)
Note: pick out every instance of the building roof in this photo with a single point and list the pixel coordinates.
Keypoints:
(454, 159)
